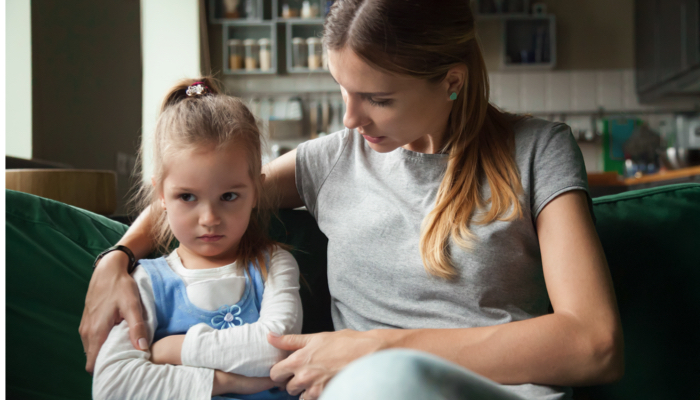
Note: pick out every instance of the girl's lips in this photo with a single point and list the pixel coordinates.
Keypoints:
(211, 238)
(373, 139)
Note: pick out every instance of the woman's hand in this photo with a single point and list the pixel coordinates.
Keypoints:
(318, 357)
(112, 297)
(239, 384)
(167, 350)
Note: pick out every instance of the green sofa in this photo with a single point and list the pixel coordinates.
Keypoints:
(651, 238)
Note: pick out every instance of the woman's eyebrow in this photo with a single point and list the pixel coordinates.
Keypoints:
(367, 94)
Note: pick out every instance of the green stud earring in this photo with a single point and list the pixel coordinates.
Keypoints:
(453, 96)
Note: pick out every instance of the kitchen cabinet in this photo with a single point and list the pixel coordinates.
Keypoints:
(500, 8)
(275, 22)
(529, 39)
(252, 31)
(529, 42)
(667, 48)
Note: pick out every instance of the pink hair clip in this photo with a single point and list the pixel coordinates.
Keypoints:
(196, 89)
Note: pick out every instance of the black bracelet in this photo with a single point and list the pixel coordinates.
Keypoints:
(132, 259)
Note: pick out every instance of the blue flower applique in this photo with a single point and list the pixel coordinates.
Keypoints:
(227, 317)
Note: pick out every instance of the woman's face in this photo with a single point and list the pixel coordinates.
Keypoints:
(391, 111)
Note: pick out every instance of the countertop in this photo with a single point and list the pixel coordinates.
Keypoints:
(613, 179)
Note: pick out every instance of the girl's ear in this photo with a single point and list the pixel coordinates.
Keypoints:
(160, 193)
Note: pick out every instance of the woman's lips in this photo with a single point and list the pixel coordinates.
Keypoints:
(373, 139)
(211, 238)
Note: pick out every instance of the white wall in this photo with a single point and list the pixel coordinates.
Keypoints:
(170, 46)
(18, 79)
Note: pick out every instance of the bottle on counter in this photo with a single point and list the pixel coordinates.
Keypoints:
(299, 58)
(235, 54)
(315, 53)
(265, 54)
(251, 54)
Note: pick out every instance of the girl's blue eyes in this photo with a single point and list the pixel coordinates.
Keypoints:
(228, 196)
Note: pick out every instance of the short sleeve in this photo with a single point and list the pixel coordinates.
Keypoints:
(315, 161)
(557, 167)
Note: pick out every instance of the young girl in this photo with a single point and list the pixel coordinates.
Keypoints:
(225, 281)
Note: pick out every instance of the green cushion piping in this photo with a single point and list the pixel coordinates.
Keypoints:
(636, 194)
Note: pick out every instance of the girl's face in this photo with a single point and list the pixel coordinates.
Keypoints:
(208, 195)
(392, 111)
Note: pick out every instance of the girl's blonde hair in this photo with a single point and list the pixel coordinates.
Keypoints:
(424, 39)
(208, 120)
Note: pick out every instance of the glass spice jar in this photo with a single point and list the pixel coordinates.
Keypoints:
(251, 54)
(315, 53)
(235, 54)
(251, 9)
(299, 58)
(290, 9)
(265, 54)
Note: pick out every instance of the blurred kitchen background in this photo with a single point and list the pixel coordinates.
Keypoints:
(85, 79)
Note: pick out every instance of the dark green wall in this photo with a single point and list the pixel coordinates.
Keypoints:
(86, 72)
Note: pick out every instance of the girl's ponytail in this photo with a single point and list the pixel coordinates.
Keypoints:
(178, 92)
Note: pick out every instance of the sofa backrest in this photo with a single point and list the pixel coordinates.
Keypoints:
(651, 239)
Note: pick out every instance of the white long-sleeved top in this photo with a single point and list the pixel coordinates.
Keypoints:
(122, 372)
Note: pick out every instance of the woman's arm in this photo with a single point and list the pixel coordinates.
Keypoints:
(244, 349)
(579, 344)
(280, 180)
(113, 295)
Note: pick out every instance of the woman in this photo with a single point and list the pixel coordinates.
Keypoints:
(452, 228)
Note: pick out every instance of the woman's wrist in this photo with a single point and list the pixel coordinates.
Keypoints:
(388, 338)
(115, 260)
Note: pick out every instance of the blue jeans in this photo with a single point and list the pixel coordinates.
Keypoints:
(410, 374)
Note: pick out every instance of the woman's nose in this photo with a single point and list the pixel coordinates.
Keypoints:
(354, 114)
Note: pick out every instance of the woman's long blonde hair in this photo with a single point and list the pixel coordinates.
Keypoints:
(204, 121)
(424, 39)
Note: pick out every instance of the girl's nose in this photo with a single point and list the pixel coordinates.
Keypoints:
(209, 217)
(354, 114)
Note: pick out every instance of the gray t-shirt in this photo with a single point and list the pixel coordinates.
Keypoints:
(370, 205)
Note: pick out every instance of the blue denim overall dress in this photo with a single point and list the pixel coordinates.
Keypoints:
(176, 314)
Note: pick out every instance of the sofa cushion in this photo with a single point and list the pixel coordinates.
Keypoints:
(50, 247)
